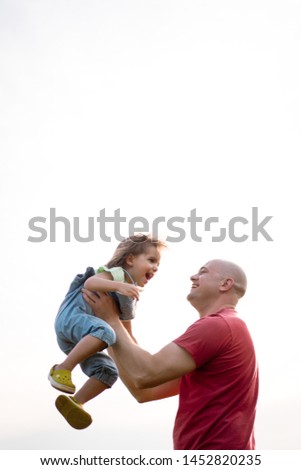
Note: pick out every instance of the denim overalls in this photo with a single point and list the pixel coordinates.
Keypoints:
(75, 319)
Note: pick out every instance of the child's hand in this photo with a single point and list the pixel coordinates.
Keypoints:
(129, 290)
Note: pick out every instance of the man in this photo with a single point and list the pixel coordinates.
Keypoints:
(212, 366)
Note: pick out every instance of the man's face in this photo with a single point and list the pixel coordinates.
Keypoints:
(205, 285)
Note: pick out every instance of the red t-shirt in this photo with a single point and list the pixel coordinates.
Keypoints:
(217, 401)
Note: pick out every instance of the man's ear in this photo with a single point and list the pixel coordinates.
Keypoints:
(226, 284)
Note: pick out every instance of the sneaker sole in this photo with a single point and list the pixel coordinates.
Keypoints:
(76, 416)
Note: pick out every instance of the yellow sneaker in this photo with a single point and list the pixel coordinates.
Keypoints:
(73, 412)
(61, 380)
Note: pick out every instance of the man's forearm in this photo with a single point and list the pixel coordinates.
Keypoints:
(135, 362)
(140, 368)
(159, 392)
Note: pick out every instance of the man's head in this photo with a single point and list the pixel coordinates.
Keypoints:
(219, 283)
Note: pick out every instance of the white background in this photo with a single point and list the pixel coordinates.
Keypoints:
(156, 108)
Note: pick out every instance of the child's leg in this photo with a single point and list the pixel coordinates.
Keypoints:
(85, 348)
(91, 389)
(60, 374)
(71, 407)
(102, 374)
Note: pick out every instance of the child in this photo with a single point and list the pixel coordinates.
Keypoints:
(82, 336)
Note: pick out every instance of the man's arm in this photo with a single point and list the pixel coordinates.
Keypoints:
(140, 369)
(127, 324)
(166, 390)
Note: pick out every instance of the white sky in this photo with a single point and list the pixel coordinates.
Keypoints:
(156, 108)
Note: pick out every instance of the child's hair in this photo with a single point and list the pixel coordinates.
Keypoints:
(135, 245)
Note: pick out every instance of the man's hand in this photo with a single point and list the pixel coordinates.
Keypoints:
(104, 307)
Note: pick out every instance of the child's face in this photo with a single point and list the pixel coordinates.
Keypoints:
(143, 267)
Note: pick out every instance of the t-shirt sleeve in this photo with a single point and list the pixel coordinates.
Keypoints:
(116, 272)
(205, 339)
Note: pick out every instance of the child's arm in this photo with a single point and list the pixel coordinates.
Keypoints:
(103, 282)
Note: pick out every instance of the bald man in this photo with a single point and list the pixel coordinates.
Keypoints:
(212, 366)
